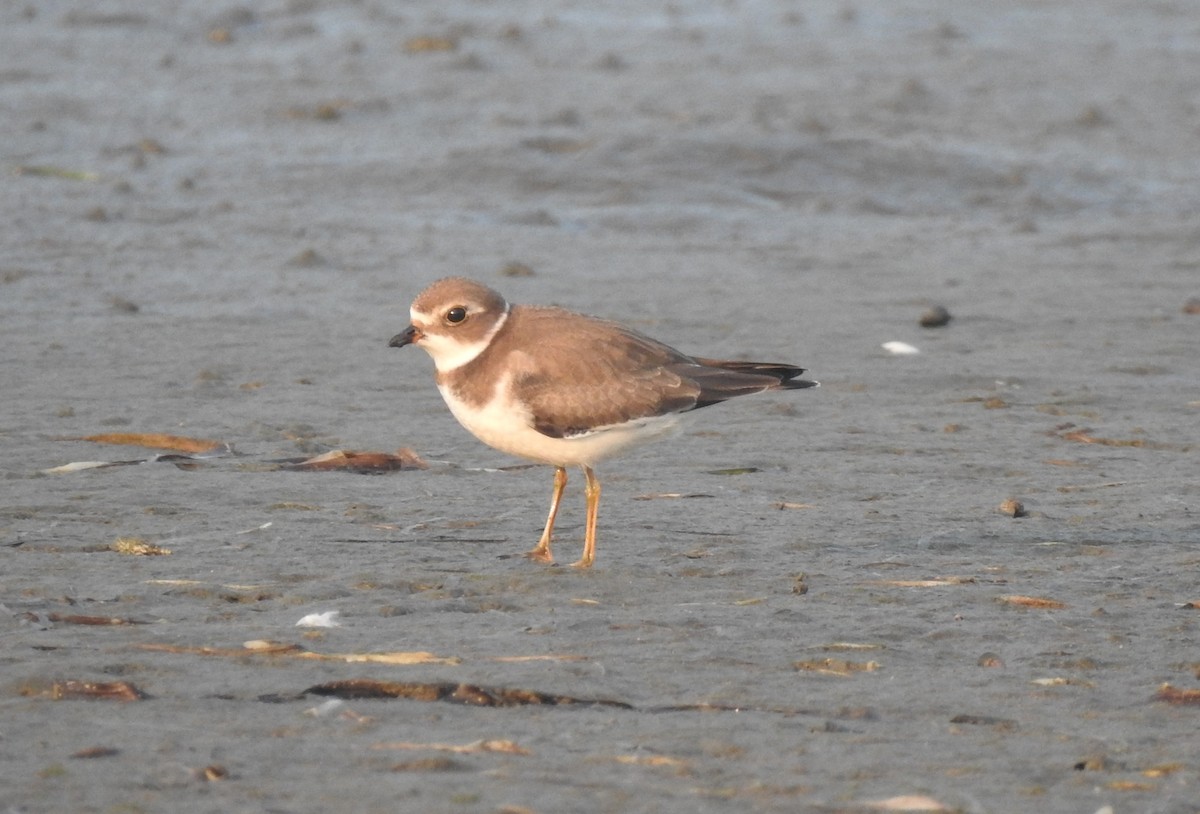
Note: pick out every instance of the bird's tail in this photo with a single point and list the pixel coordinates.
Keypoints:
(787, 375)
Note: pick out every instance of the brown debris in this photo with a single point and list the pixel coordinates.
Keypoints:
(419, 45)
(212, 773)
(307, 259)
(137, 547)
(322, 112)
(160, 647)
(51, 171)
(1061, 681)
(367, 463)
(77, 619)
(154, 440)
(1031, 602)
(836, 667)
(1006, 724)
(1084, 436)
(456, 693)
(491, 745)
(1163, 770)
(907, 802)
(1087, 487)
(1130, 785)
(547, 144)
(96, 690)
(936, 582)
(669, 496)
(1192, 306)
(1175, 695)
(267, 648)
(681, 766)
(516, 268)
(469, 694)
(180, 460)
(96, 752)
(438, 763)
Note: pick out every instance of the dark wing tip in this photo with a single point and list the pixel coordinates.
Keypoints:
(797, 384)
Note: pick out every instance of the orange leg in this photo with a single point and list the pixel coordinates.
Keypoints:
(541, 552)
(593, 508)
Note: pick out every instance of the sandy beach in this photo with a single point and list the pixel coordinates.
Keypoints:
(214, 217)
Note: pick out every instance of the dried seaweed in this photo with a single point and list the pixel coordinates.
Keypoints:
(137, 547)
(936, 582)
(157, 440)
(469, 694)
(1175, 695)
(907, 802)
(367, 463)
(501, 745)
(482, 696)
(1031, 602)
(96, 752)
(985, 720)
(94, 690)
(266, 648)
(1084, 436)
(836, 667)
(77, 619)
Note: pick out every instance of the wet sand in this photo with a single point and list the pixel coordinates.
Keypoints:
(214, 220)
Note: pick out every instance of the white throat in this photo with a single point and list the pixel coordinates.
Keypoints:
(449, 353)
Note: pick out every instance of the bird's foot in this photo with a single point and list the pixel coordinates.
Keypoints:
(540, 554)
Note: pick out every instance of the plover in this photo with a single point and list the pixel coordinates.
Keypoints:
(566, 389)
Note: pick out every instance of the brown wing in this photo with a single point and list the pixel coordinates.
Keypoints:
(589, 373)
(617, 375)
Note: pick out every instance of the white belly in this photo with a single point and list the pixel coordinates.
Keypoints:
(507, 426)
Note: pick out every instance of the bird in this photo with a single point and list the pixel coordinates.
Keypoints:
(563, 388)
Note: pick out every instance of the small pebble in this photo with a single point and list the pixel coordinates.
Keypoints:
(1013, 508)
(213, 773)
(990, 660)
(935, 317)
(900, 348)
(800, 584)
(1192, 306)
(308, 258)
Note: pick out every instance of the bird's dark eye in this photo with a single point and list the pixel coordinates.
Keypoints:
(456, 315)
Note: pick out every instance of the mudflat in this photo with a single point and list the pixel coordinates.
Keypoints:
(962, 579)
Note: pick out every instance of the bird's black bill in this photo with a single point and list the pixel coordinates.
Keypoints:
(405, 337)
